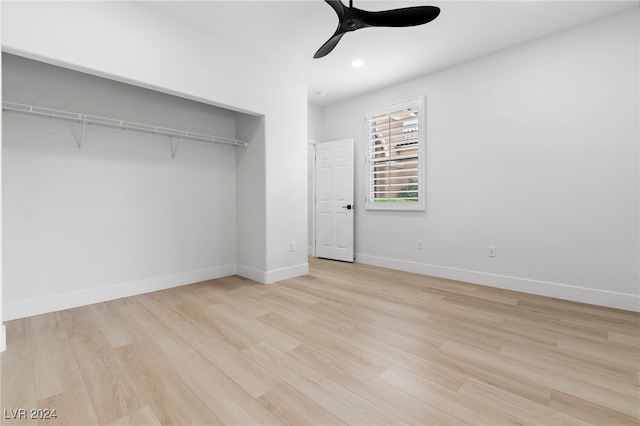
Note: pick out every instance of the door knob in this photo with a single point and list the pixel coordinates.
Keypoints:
(348, 207)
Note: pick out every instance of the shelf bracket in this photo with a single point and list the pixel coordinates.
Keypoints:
(174, 150)
(84, 124)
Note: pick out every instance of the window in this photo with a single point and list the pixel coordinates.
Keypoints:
(395, 170)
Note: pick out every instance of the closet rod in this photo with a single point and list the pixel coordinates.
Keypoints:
(110, 122)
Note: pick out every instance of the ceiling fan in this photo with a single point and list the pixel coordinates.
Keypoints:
(351, 19)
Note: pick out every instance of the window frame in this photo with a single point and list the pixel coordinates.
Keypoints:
(420, 205)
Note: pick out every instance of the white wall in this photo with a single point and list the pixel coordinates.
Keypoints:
(251, 199)
(315, 123)
(315, 127)
(533, 150)
(286, 195)
(119, 216)
(3, 340)
(156, 52)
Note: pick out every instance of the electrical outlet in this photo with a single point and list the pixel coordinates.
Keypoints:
(419, 244)
(492, 251)
(292, 246)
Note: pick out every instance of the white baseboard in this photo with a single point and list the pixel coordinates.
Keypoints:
(253, 274)
(286, 273)
(629, 302)
(58, 302)
(269, 277)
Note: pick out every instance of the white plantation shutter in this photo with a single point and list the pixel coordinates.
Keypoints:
(395, 172)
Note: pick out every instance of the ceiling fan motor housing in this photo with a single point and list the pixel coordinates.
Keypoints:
(351, 24)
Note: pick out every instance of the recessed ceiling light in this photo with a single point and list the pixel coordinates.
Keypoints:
(357, 63)
(321, 94)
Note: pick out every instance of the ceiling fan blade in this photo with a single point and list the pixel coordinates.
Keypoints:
(405, 17)
(330, 44)
(337, 6)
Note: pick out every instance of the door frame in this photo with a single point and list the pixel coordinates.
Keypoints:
(312, 152)
(311, 161)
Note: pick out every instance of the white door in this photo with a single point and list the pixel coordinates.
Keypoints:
(334, 200)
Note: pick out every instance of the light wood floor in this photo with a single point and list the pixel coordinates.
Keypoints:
(346, 344)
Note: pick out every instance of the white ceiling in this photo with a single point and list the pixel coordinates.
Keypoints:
(464, 30)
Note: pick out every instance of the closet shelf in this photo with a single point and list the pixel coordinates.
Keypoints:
(125, 125)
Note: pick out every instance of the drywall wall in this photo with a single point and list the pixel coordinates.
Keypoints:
(315, 127)
(533, 150)
(314, 123)
(153, 51)
(286, 171)
(3, 339)
(250, 198)
(120, 215)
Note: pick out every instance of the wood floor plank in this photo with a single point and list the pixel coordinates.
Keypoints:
(111, 388)
(225, 398)
(113, 325)
(394, 401)
(358, 299)
(296, 313)
(230, 283)
(422, 360)
(464, 408)
(293, 408)
(247, 374)
(73, 404)
(54, 365)
(572, 369)
(550, 327)
(294, 295)
(243, 303)
(484, 337)
(400, 325)
(142, 417)
(348, 354)
(596, 315)
(591, 412)
(334, 398)
(18, 381)
(207, 319)
(252, 326)
(179, 295)
(613, 400)
(628, 357)
(623, 338)
(333, 313)
(119, 302)
(528, 411)
(76, 321)
(72, 407)
(448, 309)
(170, 400)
